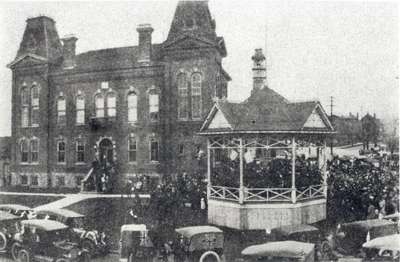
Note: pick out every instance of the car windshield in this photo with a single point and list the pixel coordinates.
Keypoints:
(76, 222)
(55, 236)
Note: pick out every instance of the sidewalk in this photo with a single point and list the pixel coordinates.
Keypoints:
(70, 199)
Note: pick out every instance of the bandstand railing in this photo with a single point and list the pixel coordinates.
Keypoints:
(224, 193)
(267, 195)
(311, 192)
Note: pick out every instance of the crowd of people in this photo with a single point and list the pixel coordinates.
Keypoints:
(275, 173)
(101, 178)
(360, 188)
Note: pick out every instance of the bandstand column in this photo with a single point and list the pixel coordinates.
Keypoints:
(208, 169)
(241, 188)
(293, 170)
(324, 171)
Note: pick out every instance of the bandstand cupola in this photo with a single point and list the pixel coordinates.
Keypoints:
(259, 69)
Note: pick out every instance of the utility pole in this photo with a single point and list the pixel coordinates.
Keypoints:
(331, 105)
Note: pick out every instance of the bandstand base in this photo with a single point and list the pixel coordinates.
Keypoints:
(264, 215)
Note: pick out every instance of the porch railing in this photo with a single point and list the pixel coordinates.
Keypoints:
(266, 195)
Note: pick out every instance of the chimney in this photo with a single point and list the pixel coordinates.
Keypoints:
(144, 31)
(259, 70)
(69, 46)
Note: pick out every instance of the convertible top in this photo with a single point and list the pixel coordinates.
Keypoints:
(14, 207)
(188, 232)
(290, 249)
(368, 224)
(133, 227)
(44, 224)
(292, 229)
(391, 242)
(59, 212)
(393, 216)
(4, 216)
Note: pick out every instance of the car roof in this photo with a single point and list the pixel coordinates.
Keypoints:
(44, 224)
(367, 224)
(390, 242)
(292, 229)
(292, 249)
(133, 227)
(194, 230)
(59, 212)
(15, 207)
(392, 216)
(7, 216)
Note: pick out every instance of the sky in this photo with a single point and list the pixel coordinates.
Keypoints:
(315, 50)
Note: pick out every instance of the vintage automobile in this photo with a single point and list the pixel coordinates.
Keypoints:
(16, 209)
(199, 243)
(385, 248)
(92, 240)
(48, 241)
(305, 233)
(395, 217)
(350, 236)
(136, 244)
(280, 251)
(8, 228)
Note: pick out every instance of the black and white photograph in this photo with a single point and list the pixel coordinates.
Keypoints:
(199, 131)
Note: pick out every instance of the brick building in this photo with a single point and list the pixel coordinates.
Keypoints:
(138, 106)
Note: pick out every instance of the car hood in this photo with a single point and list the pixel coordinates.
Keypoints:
(65, 245)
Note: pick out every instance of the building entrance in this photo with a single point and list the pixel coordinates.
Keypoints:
(106, 151)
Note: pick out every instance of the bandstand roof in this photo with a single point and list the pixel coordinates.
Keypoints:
(266, 111)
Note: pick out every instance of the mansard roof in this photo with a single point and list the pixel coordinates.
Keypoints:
(267, 111)
(192, 19)
(40, 38)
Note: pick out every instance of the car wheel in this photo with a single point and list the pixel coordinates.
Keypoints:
(326, 251)
(15, 247)
(210, 256)
(89, 246)
(3, 241)
(23, 256)
(85, 257)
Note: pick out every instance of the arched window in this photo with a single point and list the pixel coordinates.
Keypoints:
(24, 107)
(154, 149)
(183, 99)
(24, 151)
(34, 145)
(80, 110)
(132, 148)
(35, 105)
(61, 111)
(111, 104)
(132, 107)
(153, 104)
(99, 104)
(61, 151)
(196, 95)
